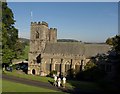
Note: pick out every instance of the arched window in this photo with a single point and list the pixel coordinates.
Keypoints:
(67, 66)
(37, 34)
(33, 71)
(77, 66)
(38, 58)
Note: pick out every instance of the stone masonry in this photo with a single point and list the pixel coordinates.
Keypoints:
(46, 54)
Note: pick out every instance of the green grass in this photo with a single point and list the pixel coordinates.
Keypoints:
(89, 86)
(8, 86)
(0, 85)
(31, 77)
(83, 85)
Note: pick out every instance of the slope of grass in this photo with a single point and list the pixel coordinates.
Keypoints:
(89, 86)
(84, 85)
(31, 77)
(8, 86)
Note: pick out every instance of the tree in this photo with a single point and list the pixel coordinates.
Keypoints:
(9, 34)
(90, 65)
(116, 48)
(116, 44)
(19, 50)
(109, 41)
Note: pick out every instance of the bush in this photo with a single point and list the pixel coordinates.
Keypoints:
(71, 73)
(53, 72)
(92, 74)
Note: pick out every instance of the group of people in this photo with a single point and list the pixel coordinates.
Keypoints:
(57, 81)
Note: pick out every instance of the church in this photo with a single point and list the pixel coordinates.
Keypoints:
(46, 54)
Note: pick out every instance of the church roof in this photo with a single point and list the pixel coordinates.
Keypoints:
(94, 49)
(76, 48)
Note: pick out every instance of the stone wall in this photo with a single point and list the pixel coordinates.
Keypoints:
(59, 62)
(53, 35)
(46, 54)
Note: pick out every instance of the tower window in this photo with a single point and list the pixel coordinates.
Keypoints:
(37, 34)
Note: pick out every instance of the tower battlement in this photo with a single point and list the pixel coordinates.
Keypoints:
(53, 29)
(40, 23)
(40, 35)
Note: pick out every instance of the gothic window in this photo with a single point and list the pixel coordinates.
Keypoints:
(67, 67)
(37, 34)
(58, 67)
(77, 68)
(48, 67)
(39, 58)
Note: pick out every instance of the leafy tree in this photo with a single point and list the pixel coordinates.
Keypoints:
(19, 49)
(116, 48)
(89, 65)
(116, 44)
(9, 34)
(115, 41)
(109, 41)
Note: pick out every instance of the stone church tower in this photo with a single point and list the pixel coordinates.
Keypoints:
(46, 54)
(40, 35)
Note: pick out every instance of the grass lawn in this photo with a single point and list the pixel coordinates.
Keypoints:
(83, 85)
(31, 77)
(8, 86)
(0, 85)
(89, 86)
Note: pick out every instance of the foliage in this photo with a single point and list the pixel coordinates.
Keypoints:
(53, 72)
(8, 55)
(24, 53)
(109, 41)
(9, 34)
(71, 73)
(116, 48)
(89, 65)
(115, 41)
(19, 49)
(116, 44)
(67, 40)
(24, 41)
(91, 72)
(10, 45)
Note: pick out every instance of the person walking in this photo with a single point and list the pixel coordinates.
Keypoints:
(55, 80)
(64, 82)
(59, 81)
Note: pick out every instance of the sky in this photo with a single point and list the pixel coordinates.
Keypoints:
(83, 21)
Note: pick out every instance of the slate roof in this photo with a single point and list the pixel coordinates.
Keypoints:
(76, 48)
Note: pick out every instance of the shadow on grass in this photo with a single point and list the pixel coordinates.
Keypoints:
(51, 82)
(98, 79)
